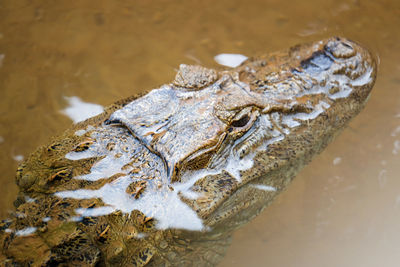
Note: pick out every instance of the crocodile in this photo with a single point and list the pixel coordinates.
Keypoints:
(164, 178)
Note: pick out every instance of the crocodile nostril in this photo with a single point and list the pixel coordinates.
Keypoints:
(340, 49)
(316, 63)
(346, 45)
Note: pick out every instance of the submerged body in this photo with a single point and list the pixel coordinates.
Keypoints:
(164, 179)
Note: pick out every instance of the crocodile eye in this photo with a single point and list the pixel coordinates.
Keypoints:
(241, 122)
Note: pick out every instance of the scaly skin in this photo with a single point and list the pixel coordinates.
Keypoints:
(164, 179)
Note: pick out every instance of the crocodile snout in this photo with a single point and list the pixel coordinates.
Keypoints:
(354, 64)
(338, 68)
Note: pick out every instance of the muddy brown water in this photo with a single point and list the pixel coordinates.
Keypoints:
(342, 210)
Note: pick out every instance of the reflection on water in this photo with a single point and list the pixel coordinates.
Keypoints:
(336, 213)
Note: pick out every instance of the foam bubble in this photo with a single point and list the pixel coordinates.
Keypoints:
(264, 187)
(230, 60)
(164, 205)
(26, 231)
(337, 160)
(18, 158)
(79, 111)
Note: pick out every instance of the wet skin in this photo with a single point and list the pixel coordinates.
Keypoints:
(164, 178)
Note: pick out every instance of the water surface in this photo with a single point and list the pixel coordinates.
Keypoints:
(342, 210)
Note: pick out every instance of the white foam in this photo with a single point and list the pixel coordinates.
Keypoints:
(236, 165)
(230, 60)
(80, 155)
(29, 199)
(264, 187)
(319, 108)
(191, 177)
(275, 139)
(363, 79)
(233, 166)
(337, 160)
(345, 92)
(191, 194)
(75, 219)
(18, 158)
(26, 231)
(99, 211)
(79, 111)
(291, 120)
(164, 205)
(105, 168)
(46, 219)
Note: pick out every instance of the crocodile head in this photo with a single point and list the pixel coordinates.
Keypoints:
(208, 151)
(238, 140)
